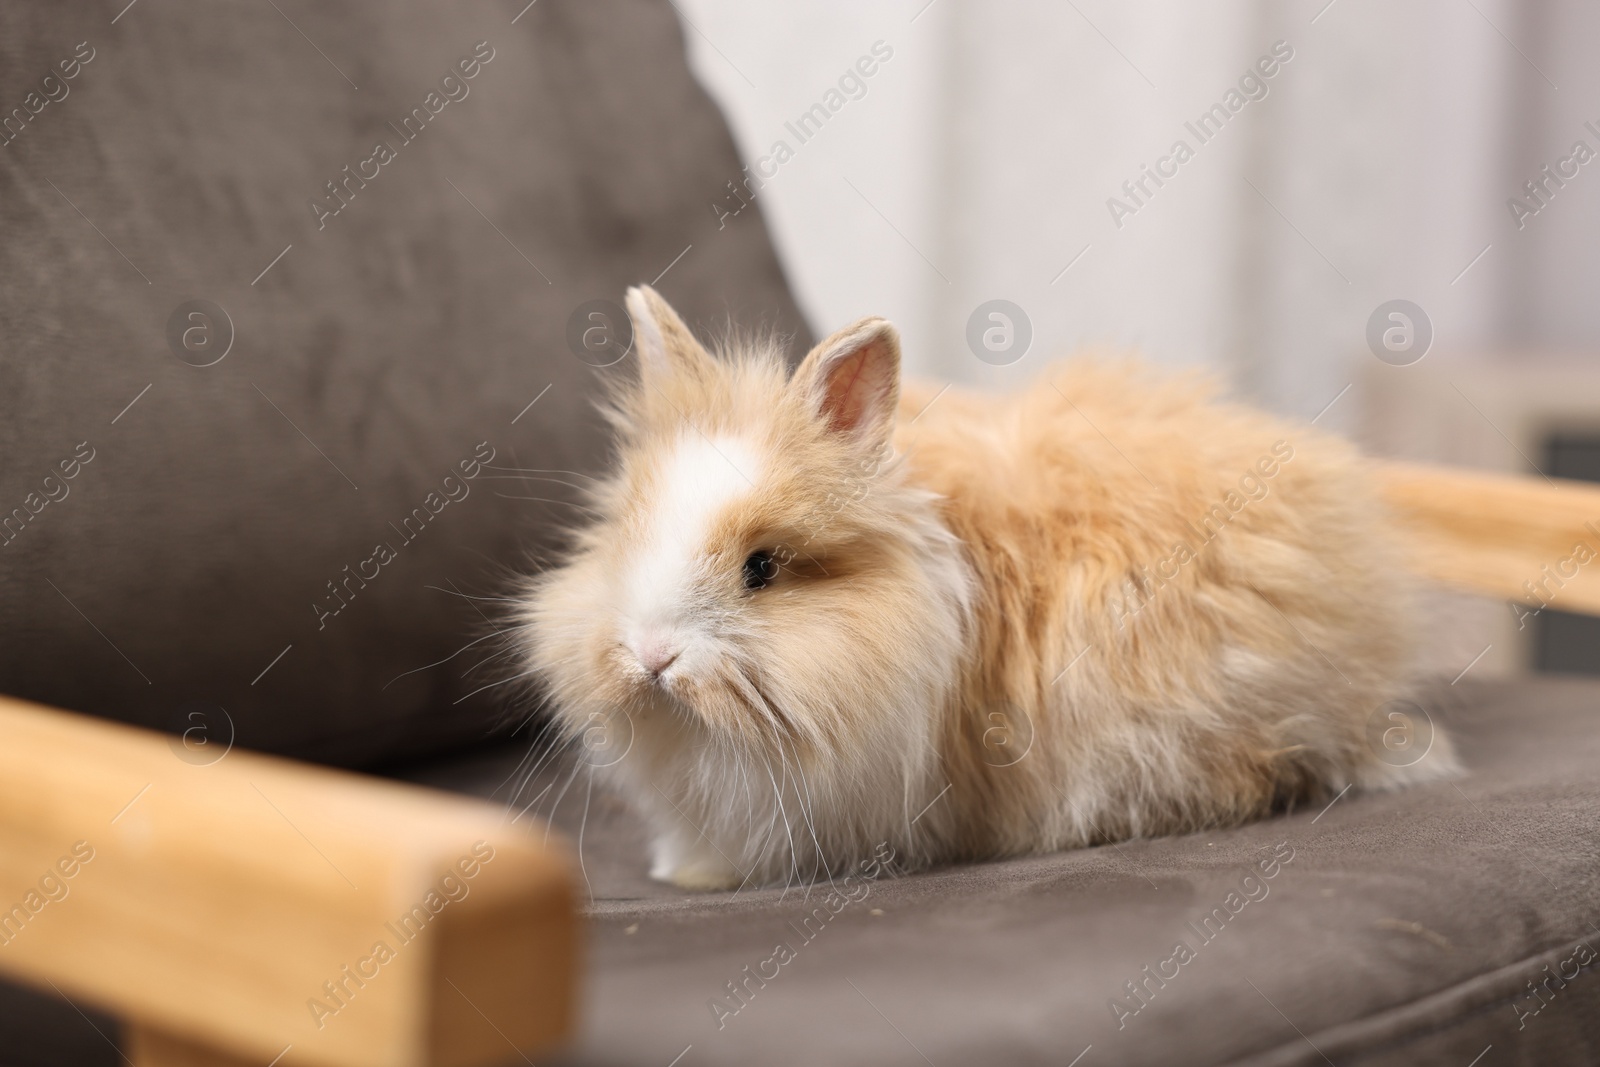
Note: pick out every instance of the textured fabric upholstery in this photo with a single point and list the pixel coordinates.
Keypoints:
(207, 528)
(1403, 929)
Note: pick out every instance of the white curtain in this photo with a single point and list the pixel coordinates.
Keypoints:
(980, 160)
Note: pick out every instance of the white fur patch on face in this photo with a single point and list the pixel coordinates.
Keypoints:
(698, 481)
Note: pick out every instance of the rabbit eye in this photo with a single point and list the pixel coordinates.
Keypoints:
(759, 570)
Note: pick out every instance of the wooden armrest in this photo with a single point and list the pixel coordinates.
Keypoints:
(257, 908)
(1526, 539)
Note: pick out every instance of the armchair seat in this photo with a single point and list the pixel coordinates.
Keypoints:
(1415, 927)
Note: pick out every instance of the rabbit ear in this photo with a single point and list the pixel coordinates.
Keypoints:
(665, 344)
(852, 380)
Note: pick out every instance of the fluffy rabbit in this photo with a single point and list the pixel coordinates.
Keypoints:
(825, 616)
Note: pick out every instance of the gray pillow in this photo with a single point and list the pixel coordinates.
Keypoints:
(269, 341)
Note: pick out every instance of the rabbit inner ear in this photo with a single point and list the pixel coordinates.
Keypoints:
(854, 378)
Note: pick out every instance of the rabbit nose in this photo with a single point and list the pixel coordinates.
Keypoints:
(655, 655)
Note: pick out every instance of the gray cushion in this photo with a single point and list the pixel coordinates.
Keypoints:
(1404, 930)
(379, 351)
